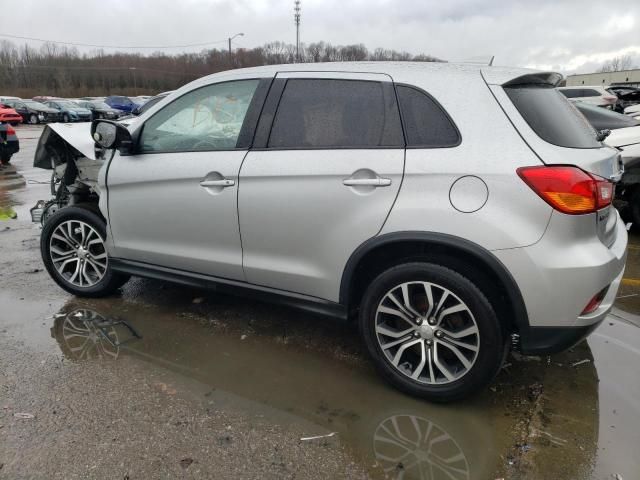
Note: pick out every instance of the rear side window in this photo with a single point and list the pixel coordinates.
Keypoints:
(588, 92)
(426, 124)
(552, 116)
(324, 113)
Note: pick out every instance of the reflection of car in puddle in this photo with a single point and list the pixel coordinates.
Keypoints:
(394, 435)
(84, 334)
(415, 447)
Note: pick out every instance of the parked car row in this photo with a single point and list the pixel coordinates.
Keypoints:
(614, 97)
(46, 109)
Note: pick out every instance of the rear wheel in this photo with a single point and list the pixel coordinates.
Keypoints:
(634, 207)
(65, 118)
(431, 332)
(74, 253)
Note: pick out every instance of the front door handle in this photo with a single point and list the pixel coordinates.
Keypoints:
(224, 182)
(367, 182)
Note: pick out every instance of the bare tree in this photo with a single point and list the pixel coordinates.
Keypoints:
(617, 64)
(59, 70)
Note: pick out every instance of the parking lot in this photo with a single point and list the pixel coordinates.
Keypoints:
(165, 381)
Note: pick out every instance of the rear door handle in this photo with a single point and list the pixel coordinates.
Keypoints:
(225, 182)
(367, 182)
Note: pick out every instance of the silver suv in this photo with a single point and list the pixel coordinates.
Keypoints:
(455, 211)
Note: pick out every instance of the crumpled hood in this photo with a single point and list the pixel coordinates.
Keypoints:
(623, 136)
(78, 135)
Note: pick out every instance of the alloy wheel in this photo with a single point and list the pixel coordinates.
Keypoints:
(427, 333)
(78, 253)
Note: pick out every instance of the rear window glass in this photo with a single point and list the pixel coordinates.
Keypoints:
(589, 92)
(426, 124)
(552, 116)
(318, 113)
(572, 93)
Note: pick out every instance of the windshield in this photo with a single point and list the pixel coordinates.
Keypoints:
(32, 104)
(68, 104)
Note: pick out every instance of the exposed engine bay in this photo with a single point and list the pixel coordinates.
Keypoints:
(74, 160)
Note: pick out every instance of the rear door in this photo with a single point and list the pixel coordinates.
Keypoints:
(324, 172)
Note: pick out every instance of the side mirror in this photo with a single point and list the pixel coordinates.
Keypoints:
(108, 134)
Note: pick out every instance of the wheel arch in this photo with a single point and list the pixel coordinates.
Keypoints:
(470, 259)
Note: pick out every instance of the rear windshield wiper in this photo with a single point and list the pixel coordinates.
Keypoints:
(602, 134)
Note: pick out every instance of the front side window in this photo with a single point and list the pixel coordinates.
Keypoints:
(209, 118)
(324, 113)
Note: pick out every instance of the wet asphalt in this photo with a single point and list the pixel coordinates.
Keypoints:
(165, 381)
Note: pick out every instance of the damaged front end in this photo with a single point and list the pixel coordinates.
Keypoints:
(70, 153)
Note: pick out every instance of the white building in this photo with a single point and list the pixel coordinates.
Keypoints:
(624, 77)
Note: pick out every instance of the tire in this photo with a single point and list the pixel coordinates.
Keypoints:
(471, 321)
(634, 207)
(14, 124)
(65, 118)
(33, 119)
(84, 271)
(5, 159)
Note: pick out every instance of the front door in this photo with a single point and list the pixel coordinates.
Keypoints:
(323, 182)
(174, 203)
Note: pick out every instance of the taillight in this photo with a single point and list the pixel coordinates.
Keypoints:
(568, 189)
(10, 130)
(595, 302)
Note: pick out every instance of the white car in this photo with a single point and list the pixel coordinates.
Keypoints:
(596, 95)
(633, 111)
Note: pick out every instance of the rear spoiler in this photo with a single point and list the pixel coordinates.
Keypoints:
(539, 78)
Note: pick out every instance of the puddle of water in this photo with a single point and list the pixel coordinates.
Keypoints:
(307, 371)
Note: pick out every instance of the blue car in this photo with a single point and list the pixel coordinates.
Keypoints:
(70, 111)
(119, 102)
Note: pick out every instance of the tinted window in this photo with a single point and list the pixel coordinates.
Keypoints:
(209, 118)
(552, 116)
(588, 92)
(426, 124)
(336, 113)
(572, 93)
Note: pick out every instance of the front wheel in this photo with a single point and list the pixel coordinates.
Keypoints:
(73, 250)
(33, 119)
(5, 159)
(65, 118)
(431, 332)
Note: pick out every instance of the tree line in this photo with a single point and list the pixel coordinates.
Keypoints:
(63, 71)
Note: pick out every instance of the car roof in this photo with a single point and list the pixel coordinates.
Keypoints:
(492, 74)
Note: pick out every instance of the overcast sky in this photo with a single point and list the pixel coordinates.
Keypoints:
(563, 35)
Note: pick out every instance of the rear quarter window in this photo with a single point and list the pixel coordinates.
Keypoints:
(426, 124)
(552, 117)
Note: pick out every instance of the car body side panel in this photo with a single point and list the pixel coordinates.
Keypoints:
(512, 216)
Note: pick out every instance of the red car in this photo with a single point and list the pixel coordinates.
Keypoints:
(9, 115)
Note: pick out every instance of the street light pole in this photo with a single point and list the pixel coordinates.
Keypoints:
(230, 53)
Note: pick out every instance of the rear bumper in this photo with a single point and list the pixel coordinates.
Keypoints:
(559, 275)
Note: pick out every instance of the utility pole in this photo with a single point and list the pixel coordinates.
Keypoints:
(296, 17)
(230, 53)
